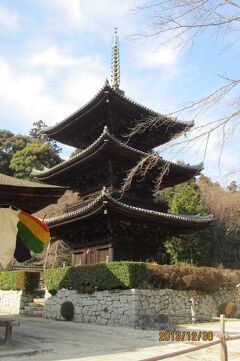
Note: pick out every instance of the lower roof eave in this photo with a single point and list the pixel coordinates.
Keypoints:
(104, 203)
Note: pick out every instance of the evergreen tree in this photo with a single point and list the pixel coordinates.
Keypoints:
(37, 134)
(193, 248)
(34, 155)
(9, 145)
(19, 154)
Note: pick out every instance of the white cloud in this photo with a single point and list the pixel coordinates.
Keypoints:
(81, 87)
(32, 94)
(8, 19)
(97, 15)
(26, 94)
(52, 57)
(72, 9)
(160, 56)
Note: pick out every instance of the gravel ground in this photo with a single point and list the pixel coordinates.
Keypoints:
(41, 339)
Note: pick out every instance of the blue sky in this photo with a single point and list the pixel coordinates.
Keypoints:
(55, 55)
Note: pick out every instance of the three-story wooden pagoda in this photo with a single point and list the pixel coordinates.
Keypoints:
(106, 224)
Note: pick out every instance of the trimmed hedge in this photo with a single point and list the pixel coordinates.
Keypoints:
(53, 278)
(26, 281)
(122, 275)
(105, 276)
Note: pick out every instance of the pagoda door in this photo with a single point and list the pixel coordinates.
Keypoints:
(90, 256)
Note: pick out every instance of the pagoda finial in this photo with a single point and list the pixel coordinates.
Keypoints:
(115, 78)
(106, 82)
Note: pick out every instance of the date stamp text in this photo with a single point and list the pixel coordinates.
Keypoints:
(185, 336)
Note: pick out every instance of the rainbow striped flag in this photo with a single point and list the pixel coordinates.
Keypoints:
(20, 233)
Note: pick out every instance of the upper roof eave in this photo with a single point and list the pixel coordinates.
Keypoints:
(106, 87)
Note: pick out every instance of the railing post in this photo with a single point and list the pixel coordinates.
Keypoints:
(223, 344)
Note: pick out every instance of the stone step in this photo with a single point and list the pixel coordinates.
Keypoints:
(39, 301)
(38, 313)
(33, 308)
(33, 304)
(31, 313)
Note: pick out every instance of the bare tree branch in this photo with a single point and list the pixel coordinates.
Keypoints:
(184, 20)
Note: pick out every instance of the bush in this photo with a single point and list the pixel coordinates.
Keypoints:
(9, 280)
(26, 281)
(53, 292)
(105, 276)
(123, 275)
(67, 310)
(89, 290)
(167, 276)
(53, 277)
(231, 278)
(204, 279)
(229, 309)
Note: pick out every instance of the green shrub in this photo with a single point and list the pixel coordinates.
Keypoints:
(53, 277)
(67, 310)
(229, 309)
(9, 280)
(105, 276)
(123, 275)
(26, 281)
(89, 289)
(53, 292)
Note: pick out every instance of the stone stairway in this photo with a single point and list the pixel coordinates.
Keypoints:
(34, 308)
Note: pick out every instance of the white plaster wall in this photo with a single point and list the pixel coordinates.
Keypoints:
(10, 302)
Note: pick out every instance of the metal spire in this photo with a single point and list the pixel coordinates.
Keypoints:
(115, 78)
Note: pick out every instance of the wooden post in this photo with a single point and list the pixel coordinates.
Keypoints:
(223, 344)
(46, 256)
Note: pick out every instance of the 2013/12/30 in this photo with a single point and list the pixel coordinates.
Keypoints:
(185, 335)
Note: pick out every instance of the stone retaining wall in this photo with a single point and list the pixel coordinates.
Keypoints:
(137, 308)
(12, 301)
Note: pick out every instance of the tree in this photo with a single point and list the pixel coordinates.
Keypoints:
(192, 248)
(34, 155)
(75, 152)
(181, 23)
(9, 145)
(37, 134)
(225, 206)
(19, 154)
(187, 200)
(233, 187)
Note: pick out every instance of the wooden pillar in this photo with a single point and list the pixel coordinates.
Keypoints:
(223, 344)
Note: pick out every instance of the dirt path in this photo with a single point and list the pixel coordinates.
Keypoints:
(42, 340)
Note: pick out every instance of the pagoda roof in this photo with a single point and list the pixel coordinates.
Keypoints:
(83, 157)
(65, 130)
(104, 201)
(27, 195)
